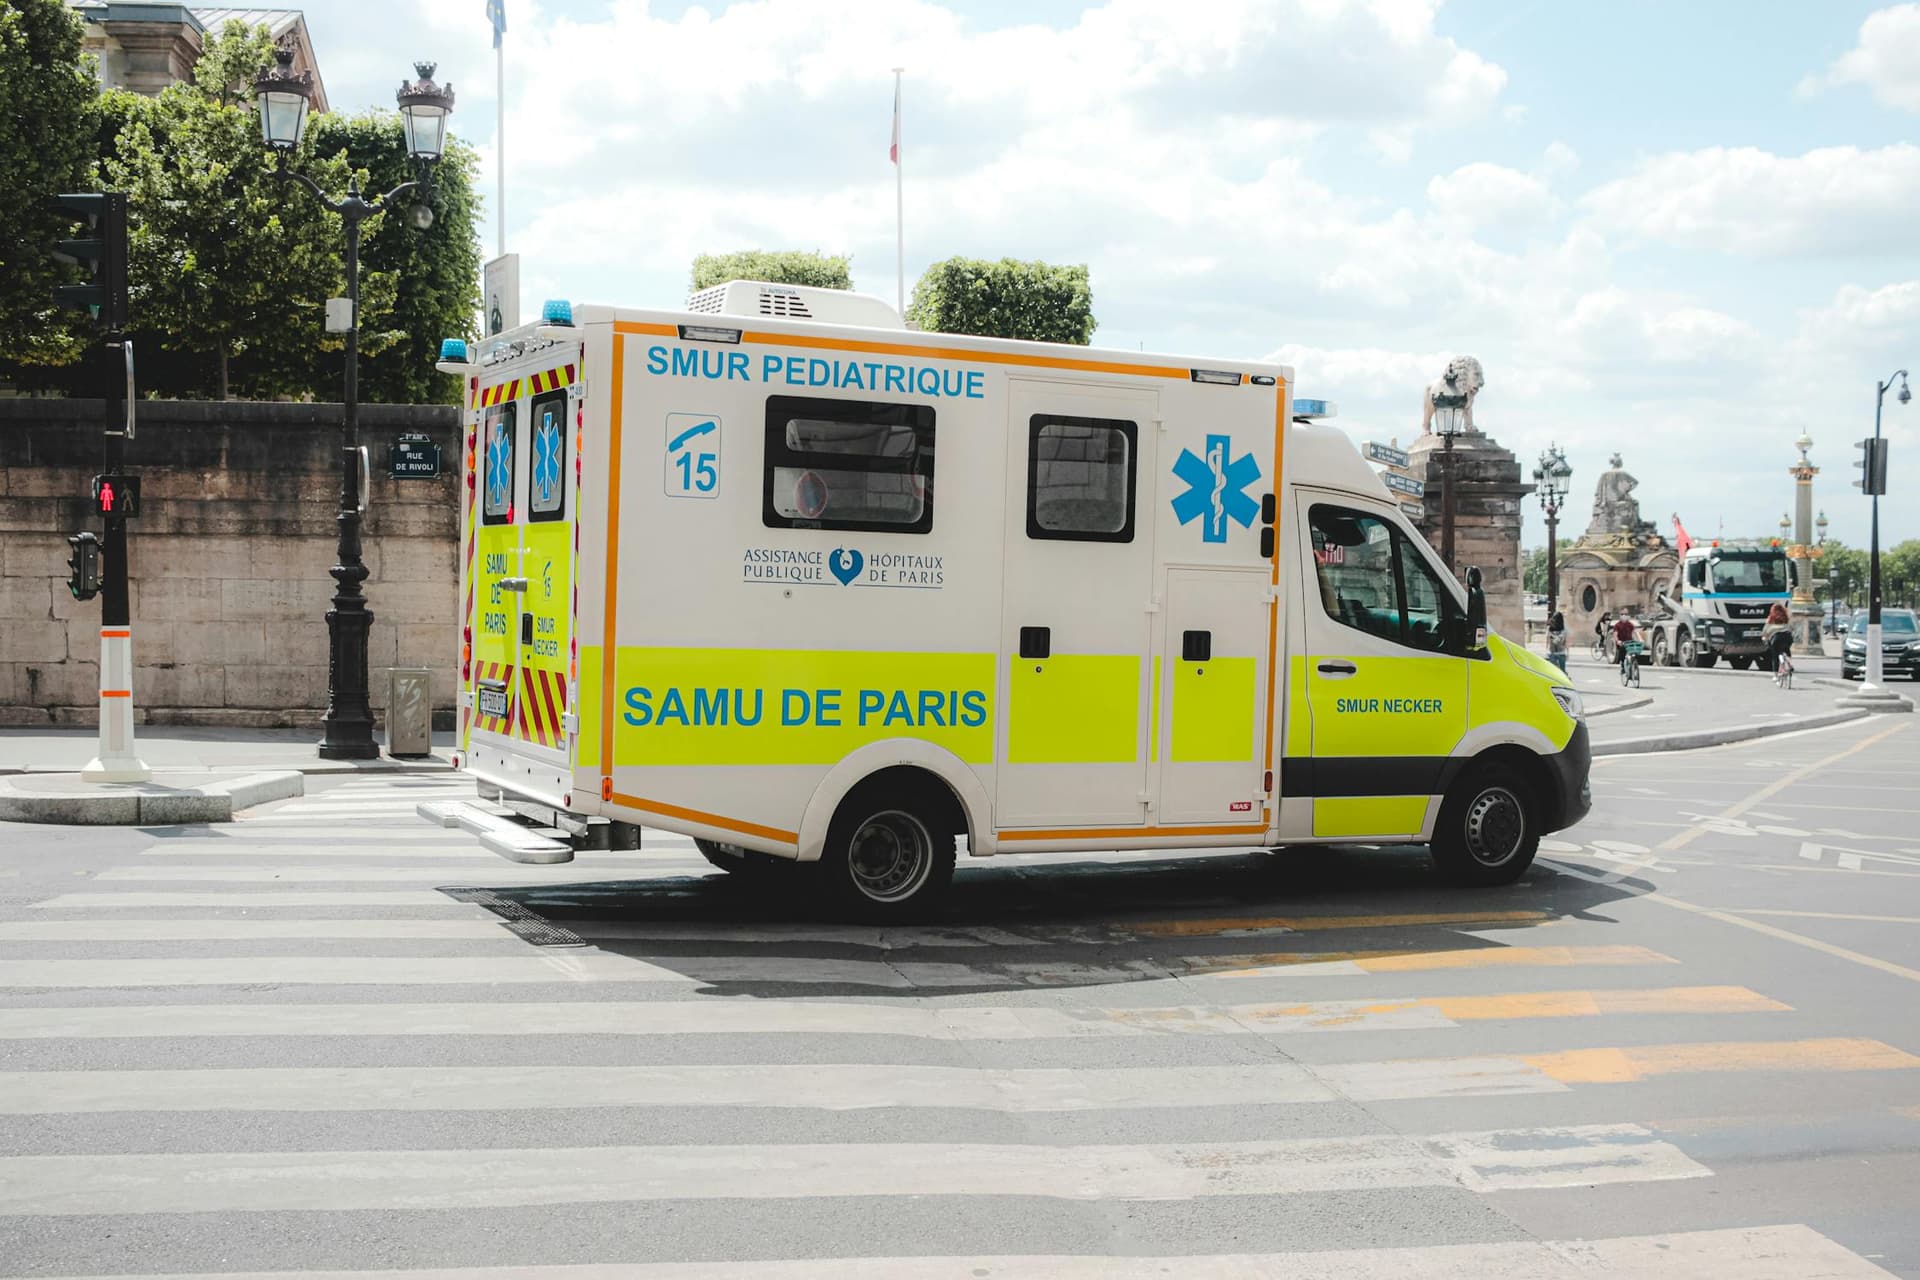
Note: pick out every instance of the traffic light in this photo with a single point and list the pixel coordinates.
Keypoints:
(83, 565)
(1873, 467)
(102, 251)
(116, 495)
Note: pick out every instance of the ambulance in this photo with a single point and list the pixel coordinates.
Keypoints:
(781, 574)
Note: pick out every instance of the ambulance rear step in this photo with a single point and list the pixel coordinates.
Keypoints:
(501, 829)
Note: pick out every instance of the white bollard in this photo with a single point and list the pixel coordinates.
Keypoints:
(117, 761)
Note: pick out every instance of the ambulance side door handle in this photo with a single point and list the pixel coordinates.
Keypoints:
(1036, 642)
(1338, 670)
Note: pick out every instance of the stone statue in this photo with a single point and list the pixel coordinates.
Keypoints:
(1615, 510)
(1455, 390)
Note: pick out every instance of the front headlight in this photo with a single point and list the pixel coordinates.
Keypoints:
(1569, 700)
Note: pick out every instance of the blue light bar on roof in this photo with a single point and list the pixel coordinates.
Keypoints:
(556, 311)
(1315, 409)
(453, 350)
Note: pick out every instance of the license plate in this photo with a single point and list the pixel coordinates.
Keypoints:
(493, 703)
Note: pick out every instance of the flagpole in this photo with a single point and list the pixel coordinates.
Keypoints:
(899, 203)
(500, 141)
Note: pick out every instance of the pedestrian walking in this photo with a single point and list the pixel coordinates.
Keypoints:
(1557, 641)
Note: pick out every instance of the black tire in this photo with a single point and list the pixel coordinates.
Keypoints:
(890, 851)
(1741, 664)
(1488, 831)
(1687, 654)
(1662, 652)
(1705, 660)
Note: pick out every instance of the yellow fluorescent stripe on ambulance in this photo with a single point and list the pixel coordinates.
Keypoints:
(776, 706)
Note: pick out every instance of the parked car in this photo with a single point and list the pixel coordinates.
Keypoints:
(1899, 646)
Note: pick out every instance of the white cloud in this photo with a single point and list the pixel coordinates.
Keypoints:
(1886, 59)
(1831, 201)
(1490, 195)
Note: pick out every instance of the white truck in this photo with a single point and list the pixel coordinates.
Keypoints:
(1716, 605)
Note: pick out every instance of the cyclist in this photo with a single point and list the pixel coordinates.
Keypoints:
(1602, 631)
(1778, 635)
(1623, 632)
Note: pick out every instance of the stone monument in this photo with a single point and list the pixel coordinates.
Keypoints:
(1803, 554)
(1620, 563)
(1487, 495)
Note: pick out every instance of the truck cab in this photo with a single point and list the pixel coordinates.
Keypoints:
(1717, 605)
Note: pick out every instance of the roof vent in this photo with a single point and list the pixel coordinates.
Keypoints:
(764, 300)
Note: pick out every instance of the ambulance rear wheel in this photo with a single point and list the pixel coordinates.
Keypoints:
(889, 852)
(1488, 832)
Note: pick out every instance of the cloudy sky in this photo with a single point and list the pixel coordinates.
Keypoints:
(1684, 231)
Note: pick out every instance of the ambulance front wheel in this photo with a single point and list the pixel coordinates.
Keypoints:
(889, 852)
(1488, 832)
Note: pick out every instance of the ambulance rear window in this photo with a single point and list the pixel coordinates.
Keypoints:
(848, 464)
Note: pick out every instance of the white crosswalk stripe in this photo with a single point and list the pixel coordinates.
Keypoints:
(282, 973)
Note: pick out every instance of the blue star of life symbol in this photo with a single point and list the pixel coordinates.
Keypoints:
(546, 462)
(1216, 489)
(499, 467)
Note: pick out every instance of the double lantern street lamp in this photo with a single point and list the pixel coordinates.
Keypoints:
(1551, 480)
(1876, 668)
(282, 95)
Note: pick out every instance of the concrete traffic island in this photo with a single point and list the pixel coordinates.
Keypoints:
(1877, 699)
(169, 799)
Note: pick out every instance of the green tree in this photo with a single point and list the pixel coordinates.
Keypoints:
(47, 94)
(1534, 575)
(229, 265)
(792, 266)
(1004, 299)
(428, 279)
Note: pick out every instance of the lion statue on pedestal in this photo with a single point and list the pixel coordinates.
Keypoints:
(1454, 392)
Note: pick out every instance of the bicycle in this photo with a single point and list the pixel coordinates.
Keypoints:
(1783, 670)
(1630, 662)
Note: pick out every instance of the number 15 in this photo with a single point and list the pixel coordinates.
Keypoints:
(700, 475)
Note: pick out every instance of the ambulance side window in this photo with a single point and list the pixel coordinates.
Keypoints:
(496, 465)
(848, 464)
(1372, 578)
(1353, 563)
(547, 481)
(1080, 478)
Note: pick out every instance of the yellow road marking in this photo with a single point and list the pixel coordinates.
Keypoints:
(1306, 924)
(1417, 961)
(1618, 1066)
(1584, 1004)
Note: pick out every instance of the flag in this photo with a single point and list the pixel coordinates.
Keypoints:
(1681, 540)
(893, 151)
(497, 15)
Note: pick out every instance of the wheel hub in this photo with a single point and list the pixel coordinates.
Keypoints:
(1496, 823)
(891, 856)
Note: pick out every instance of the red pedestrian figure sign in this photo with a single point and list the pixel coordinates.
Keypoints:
(117, 495)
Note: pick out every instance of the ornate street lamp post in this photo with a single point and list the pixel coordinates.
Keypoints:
(282, 95)
(1551, 480)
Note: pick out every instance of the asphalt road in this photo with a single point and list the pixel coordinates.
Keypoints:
(1687, 1044)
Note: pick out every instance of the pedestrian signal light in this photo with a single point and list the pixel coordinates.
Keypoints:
(101, 250)
(83, 565)
(1873, 467)
(117, 495)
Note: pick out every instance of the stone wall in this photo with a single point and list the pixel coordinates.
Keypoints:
(1488, 492)
(228, 559)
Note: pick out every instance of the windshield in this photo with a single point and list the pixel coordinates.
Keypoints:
(1897, 622)
(1759, 571)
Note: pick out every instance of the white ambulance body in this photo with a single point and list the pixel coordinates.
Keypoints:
(780, 574)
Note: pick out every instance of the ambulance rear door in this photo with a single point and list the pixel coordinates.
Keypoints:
(1076, 629)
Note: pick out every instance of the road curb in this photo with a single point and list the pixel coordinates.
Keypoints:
(61, 799)
(1634, 705)
(1721, 737)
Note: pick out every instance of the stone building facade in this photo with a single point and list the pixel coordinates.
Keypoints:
(1621, 563)
(228, 559)
(145, 46)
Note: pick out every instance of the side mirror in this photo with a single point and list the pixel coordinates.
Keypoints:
(1476, 612)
